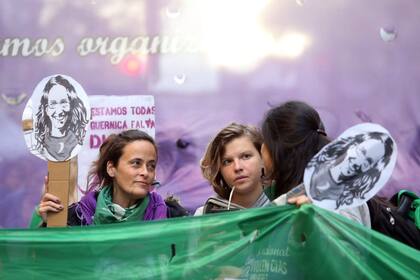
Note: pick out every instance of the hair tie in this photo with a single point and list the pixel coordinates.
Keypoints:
(321, 131)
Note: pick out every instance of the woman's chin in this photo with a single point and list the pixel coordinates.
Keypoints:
(139, 194)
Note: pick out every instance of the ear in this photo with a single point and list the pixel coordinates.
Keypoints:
(110, 169)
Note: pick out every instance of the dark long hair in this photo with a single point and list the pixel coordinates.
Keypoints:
(111, 151)
(293, 133)
(77, 120)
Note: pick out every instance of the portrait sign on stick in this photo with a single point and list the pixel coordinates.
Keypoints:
(55, 123)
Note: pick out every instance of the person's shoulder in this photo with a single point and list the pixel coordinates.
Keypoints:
(358, 214)
(90, 195)
(262, 201)
(175, 209)
(156, 198)
(154, 194)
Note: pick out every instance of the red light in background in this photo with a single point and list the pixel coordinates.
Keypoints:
(133, 65)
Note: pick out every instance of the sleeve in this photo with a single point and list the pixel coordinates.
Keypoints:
(358, 214)
(36, 220)
(74, 218)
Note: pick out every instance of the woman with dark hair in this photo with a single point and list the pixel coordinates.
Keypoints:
(120, 184)
(233, 166)
(60, 121)
(293, 134)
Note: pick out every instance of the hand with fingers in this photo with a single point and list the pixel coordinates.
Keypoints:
(49, 203)
(299, 200)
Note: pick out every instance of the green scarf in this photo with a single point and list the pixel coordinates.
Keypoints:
(108, 212)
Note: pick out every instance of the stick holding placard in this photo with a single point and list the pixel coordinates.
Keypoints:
(62, 178)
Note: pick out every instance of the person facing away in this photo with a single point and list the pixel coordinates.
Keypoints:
(293, 134)
(233, 165)
(61, 120)
(120, 184)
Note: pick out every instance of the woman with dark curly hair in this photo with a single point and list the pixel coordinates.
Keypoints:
(120, 184)
(60, 121)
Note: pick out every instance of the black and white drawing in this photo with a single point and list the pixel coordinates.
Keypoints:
(351, 169)
(61, 113)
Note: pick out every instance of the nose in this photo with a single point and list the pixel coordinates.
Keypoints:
(57, 111)
(237, 165)
(358, 167)
(60, 110)
(365, 165)
(143, 171)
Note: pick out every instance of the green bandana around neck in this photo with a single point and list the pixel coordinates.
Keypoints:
(107, 212)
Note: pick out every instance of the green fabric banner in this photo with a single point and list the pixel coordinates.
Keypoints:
(265, 243)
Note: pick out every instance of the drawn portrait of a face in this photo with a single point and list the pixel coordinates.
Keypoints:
(60, 118)
(58, 109)
(351, 169)
(360, 158)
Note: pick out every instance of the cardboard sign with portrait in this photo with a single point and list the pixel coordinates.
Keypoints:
(55, 123)
(56, 118)
(351, 169)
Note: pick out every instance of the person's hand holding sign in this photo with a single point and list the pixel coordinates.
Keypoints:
(49, 203)
(55, 122)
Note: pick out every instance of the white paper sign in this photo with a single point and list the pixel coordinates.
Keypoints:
(351, 169)
(59, 112)
(114, 114)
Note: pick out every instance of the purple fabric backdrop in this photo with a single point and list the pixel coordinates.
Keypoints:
(348, 68)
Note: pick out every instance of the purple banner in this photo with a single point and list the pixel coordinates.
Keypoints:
(208, 63)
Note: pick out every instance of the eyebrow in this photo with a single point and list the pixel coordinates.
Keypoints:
(138, 158)
(60, 100)
(241, 153)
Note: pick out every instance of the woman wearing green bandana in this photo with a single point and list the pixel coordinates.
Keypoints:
(120, 185)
